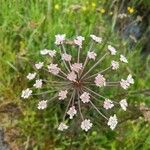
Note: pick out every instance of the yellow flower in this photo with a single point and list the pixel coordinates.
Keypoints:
(130, 10)
(56, 7)
(111, 13)
(84, 8)
(102, 10)
(93, 5)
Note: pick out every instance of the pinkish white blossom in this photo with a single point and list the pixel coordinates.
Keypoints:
(108, 104)
(72, 76)
(85, 97)
(66, 57)
(130, 80)
(39, 65)
(123, 59)
(38, 84)
(115, 65)
(86, 125)
(60, 38)
(100, 80)
(62, 94)
(112, 50)
(112, 122)
(54, 69)
(76, 67)
(96, 39)
(52, 53)
(31, 76)
(78, 41)
(42, 104)
(123, 103)
(71, 112)
(62, 127)
(44, 52)
(26, 93)
(91, 55)
(124, 84)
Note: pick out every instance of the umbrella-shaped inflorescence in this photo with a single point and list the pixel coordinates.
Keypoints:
(77, 78)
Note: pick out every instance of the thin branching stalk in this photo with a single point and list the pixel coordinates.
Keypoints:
(98, 94)
(98, 111)
(94, 66)
(64, 51)
(68, 105)
(86, 60)
(56, 75)
(79, 106)
(79, 50)
(97, 73)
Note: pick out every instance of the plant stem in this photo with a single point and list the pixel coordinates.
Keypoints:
(98, 73)
(79, 106)
(98, 111)
(68, 106)
(94, 65)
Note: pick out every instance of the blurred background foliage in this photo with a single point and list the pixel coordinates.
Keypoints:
(27, 26)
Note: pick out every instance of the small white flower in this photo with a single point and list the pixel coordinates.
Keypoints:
(91, 55)
(86, 125)
(85, 97)
(100, 80)
(62, 94)
(71, 112)
(130, 80)
(62, 126)
(66, 57)
(31, 76)
(78, 41)
(112, 50)
(26, 93)
(96, 39)
(38, 84)
(123, 59)
(39, 65)
(42, 104)
(52, 53)
(72, 76)
(123, 103)
(124, 84)
(123, 15)
(60, 38)
(76, 67)
(115, 65)
(53, 68)
(112, 122)
(108, 104)
(44, 52)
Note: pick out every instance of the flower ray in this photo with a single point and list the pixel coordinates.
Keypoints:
(86, 60)
(97, 94)
(94, 66)
(98, 73)
(98, 110)
(79, 106)
(68, 106)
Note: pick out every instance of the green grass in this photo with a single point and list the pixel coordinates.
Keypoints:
(26, 27)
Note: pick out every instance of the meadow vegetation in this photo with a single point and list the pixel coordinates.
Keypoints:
(26, 27)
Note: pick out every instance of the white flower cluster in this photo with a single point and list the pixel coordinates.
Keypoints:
(76, 85)
(126, 83)
(122, 16)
